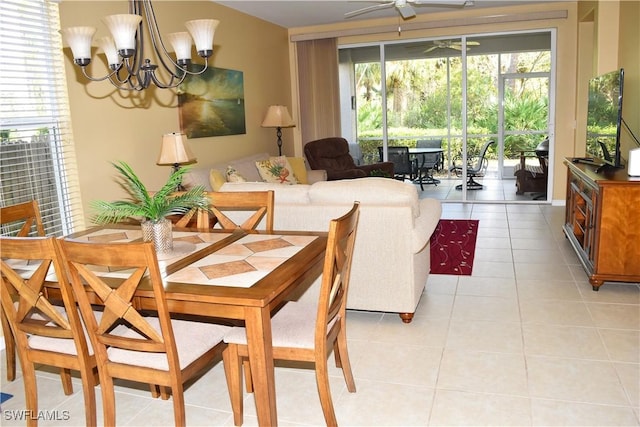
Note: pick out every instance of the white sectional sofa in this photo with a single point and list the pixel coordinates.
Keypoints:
(392, 256)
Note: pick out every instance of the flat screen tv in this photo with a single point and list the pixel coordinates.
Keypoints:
(604, 118)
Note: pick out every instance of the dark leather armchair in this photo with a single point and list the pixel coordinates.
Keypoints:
(332, 155)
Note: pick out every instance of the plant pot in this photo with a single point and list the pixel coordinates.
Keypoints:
(160, 233)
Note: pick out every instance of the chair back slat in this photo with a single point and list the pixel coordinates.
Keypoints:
(26, 264)
(28, 212)
(258, 204)
(336, 271)
(23, 283)
(139, 262)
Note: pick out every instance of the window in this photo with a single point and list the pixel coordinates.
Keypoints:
(37, 156)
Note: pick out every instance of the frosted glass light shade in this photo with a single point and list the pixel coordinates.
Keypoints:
(123, 29)
(181, 43)
(277, 117)
(109, 48)
(79, 40)
(202, 31)
(175, 150)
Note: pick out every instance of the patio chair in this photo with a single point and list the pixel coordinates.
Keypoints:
(476, 167)
(429, 163)
(533, 178)
(404, 166)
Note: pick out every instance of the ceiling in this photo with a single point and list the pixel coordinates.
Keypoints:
(303, 13)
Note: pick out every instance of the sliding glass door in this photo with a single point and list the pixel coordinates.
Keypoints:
(459, 91)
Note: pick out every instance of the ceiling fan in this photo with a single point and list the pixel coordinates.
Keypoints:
(404, 6)
(450, 44)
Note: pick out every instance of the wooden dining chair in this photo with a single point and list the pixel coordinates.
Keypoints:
(154, 349)
(306, 333)
(233, 210)
(45, 333)
(26, 216)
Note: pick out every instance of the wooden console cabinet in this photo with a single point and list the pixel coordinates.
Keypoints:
(602, 222)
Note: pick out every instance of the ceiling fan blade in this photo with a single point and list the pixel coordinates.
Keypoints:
(472, 43)
(406, 11)
(369, 9)
(431, 49)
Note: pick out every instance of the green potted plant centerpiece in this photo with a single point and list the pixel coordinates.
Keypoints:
(151, 208)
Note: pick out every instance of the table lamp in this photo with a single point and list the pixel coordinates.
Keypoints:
(278, 117)
(175, 151)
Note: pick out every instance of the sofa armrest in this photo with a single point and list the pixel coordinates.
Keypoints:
(316, 175)
(426, 223)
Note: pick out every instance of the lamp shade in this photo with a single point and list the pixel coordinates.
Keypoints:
(175, 150)
(79, 39)
(278, 117)
(181, 43)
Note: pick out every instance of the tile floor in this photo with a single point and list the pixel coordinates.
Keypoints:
(523, 341)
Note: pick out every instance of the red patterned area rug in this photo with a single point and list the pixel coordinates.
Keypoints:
(453, 246)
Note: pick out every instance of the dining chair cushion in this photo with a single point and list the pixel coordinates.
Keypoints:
(293, 326)
(193, 339)
(65, 345)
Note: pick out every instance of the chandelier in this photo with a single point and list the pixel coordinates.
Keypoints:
(125, 50)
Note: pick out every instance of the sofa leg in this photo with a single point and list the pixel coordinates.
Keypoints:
(406, 317)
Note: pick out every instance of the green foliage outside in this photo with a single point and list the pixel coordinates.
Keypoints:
(417, 95)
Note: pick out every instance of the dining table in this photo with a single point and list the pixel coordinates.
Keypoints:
(240, 276)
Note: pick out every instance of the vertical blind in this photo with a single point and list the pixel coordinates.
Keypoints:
(37, 156)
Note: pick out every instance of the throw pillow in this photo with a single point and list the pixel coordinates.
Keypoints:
(216, 179)
(299, 169)
(276, 169)
(234, 176)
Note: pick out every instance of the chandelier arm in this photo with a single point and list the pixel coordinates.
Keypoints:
(124, 85)
(172, 83)
(134, 71)
(157, 43)
(99, 79)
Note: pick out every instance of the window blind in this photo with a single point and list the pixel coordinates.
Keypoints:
(37, 155)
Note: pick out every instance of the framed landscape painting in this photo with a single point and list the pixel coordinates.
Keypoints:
(212, 104)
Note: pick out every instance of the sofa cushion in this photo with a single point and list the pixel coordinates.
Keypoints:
(246, 166)
(299, 169)
(276, 170)
(216, 179)
(233, 175)
(369, 191)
